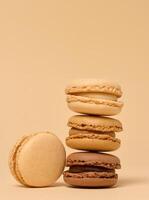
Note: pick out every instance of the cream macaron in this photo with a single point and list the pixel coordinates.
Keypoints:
(93, 133)
(92, 96)
(37, 160)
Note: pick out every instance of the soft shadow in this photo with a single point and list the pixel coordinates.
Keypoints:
(132, 181)
(91, 188)
(58, 184)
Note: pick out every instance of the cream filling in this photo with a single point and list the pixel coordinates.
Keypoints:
(97, 95)
(74, 131)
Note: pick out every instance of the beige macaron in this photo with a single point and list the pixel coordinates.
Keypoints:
(93, 133)
(37, 160)
(93, 96)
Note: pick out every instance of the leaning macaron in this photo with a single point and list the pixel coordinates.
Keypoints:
(93, 96)
(91, 169)
(93, 133)
(37, 160)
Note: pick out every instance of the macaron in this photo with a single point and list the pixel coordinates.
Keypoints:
(94, 133)
(93, 96)
(37, 160)
(88, 169)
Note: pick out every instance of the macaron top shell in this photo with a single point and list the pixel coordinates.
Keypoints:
(94, 85)
(86, 122)
(38, 159)
(93, 159)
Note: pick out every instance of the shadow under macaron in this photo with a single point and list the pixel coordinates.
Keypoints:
(58, 184)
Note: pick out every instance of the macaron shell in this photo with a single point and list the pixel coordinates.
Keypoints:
(93, 144)
(87, 108)
(91, 182)
(95, 123)
(93, 159)
(36, 160)
(93, 85)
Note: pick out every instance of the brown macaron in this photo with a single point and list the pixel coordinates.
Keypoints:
(88, 169)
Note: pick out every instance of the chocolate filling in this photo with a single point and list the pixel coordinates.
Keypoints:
(85, 168)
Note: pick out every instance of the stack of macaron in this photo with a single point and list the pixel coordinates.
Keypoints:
(93, 132)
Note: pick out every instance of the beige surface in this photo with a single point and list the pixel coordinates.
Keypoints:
(43, 46)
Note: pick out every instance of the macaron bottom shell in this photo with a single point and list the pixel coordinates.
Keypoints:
(104, 108)
(91, 182)
(92, 144)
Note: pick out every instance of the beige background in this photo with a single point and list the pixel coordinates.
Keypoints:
(43, 46)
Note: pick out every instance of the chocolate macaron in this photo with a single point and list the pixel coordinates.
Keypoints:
(93, 133)
(88, 169)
